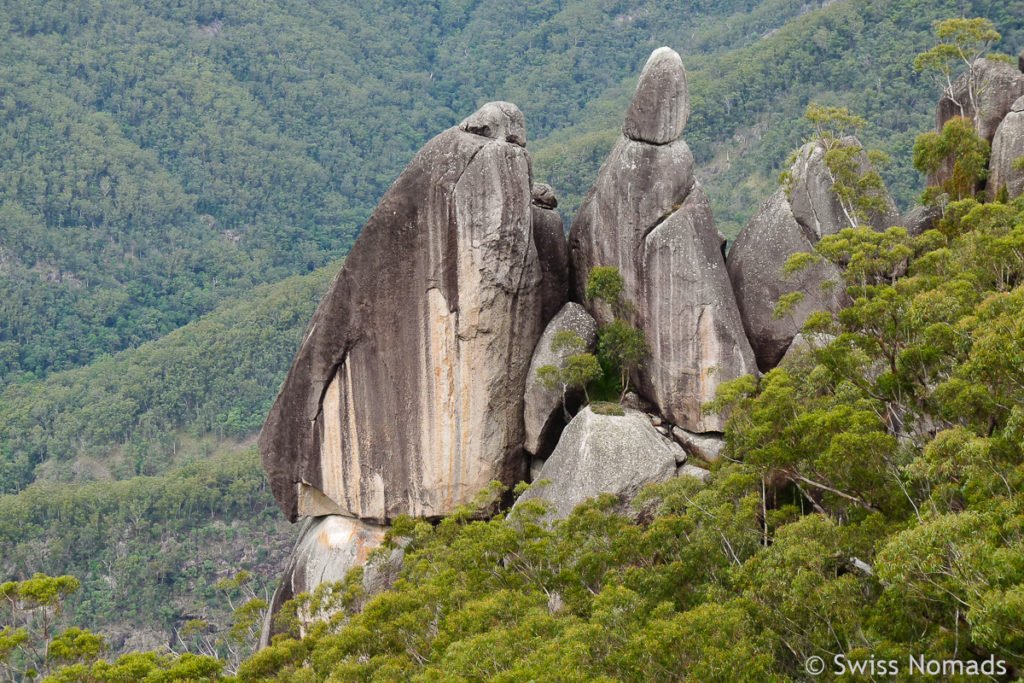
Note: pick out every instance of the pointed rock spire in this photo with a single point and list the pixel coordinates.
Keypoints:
(647, 216)
(661, 103)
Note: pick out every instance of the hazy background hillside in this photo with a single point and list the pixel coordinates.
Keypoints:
(178, 182)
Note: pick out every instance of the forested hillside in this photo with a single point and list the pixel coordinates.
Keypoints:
(178, 184)
(158, 158)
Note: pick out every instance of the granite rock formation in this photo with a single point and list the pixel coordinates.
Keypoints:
(996, 86)
(815, 206)
(552, 249)
(327, 548)
(706, 447)
(1007, 147)
(543, 408)
(755, 263)
(921, 219)
(616, 454)
(661, 104)
(647, 216)
(406, 393)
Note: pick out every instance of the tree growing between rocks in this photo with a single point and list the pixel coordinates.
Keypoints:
(860, 191)
(577, 371)
(958, 142)
(961, 42)
(621, 346)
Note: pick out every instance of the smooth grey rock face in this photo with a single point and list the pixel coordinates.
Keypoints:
(499, 121)
(553, 252)
(604, 454)
(689, 315)
(755, 263)
(1007, 147)
(707, 447)
(998, 84)
(327, 548)
(1020, 60)
(406, 393)
(638, 186)
(661, 103)
(542, 408)
(815, 207)
(647, 217)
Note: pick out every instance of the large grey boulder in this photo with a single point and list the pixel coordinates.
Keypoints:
(755, 263)
(706, 447)
(406, 393)
(647, 216)
(816, 207)
(327, 548)
(661, 103)
(616, 454)
(543, 408)
(995, 87)
(552, 249)
(1007, 148)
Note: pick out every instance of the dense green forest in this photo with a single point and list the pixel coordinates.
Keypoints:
(156, 158)
(179, 181)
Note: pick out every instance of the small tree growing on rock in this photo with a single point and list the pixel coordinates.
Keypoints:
(860, 192)
(621, 346)
(961, 42)
(577, 370)
(958, 141)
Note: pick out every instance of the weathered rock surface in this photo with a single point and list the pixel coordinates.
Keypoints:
(552, 249)
(689, 314)
(497, 120)
(755, 263)
(328, 547)
(921, 219)
(542, 408)
(646, 216)
(406, 393)
(815, 206)
(707, 447)
(661, 103)
(605, 454)
(997, 85)
(638, 186)
(1007, 147)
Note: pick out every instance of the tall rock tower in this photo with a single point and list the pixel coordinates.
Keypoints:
(406, 394)
(649, 217)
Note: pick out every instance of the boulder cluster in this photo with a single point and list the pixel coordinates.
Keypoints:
(990, 94)
(416, 382)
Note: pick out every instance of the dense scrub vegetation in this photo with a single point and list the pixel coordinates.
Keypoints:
(150, 553)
